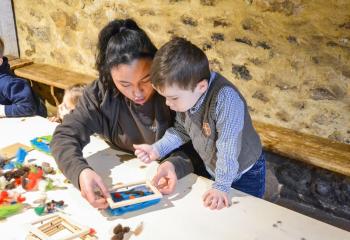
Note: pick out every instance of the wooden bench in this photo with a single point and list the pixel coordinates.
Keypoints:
(311, 149)
(289, 143)
(53, 77)
(16, 62)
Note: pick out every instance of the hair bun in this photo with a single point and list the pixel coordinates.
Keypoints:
(122, 28)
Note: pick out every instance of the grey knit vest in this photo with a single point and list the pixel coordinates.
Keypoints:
(201, 128)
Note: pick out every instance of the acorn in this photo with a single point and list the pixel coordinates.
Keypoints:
(118, 229)
(126, 229)
(118, 236)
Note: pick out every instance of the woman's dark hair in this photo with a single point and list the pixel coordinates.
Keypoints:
(121, 42)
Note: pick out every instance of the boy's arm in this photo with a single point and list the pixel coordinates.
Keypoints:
(19, 93)
(173, 138)
(230, 121)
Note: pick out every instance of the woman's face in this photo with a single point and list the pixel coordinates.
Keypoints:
(133, 80)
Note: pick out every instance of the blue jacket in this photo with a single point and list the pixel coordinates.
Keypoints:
(17, 96)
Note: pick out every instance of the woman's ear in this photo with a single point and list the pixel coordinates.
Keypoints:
(202, 86)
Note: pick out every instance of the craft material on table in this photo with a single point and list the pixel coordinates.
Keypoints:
(10, 151)
(42, 144)
(132, 197)
(58, 226)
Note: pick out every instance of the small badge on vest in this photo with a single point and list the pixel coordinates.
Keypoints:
(206, 129)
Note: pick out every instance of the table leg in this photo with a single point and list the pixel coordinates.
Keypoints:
(52, 90)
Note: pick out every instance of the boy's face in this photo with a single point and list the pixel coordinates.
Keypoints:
(181, 100)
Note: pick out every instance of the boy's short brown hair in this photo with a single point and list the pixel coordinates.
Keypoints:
(181, 63)
(2, 48)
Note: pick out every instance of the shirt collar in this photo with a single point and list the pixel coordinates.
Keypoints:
(201, 99)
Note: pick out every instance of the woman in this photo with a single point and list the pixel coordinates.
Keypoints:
(121, 106)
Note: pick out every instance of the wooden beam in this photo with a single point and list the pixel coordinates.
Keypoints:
(311, 149)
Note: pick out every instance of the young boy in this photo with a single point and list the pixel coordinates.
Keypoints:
(70, 100)
(213, 114)
(16, 96)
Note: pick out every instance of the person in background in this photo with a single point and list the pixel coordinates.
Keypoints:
(70, 100)
(16, 96)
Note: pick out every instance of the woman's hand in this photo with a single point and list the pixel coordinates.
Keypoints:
(146, 153)
(93, 189)
(215, 199)
(165, 179)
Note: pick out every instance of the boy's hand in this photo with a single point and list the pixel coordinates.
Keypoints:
(215, 199)
(146, 153)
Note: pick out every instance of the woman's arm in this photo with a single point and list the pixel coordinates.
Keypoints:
(74, 133)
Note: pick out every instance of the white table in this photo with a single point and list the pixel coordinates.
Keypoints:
(178, 216)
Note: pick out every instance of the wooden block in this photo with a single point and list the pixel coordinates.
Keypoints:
(52, 76)
(311, 149)
(156, 194)
(10, 151)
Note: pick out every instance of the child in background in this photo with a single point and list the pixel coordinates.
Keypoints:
(214, 115)
(70, 100)
(16, 96)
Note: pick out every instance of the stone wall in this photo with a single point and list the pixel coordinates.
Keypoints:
(289, 58)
